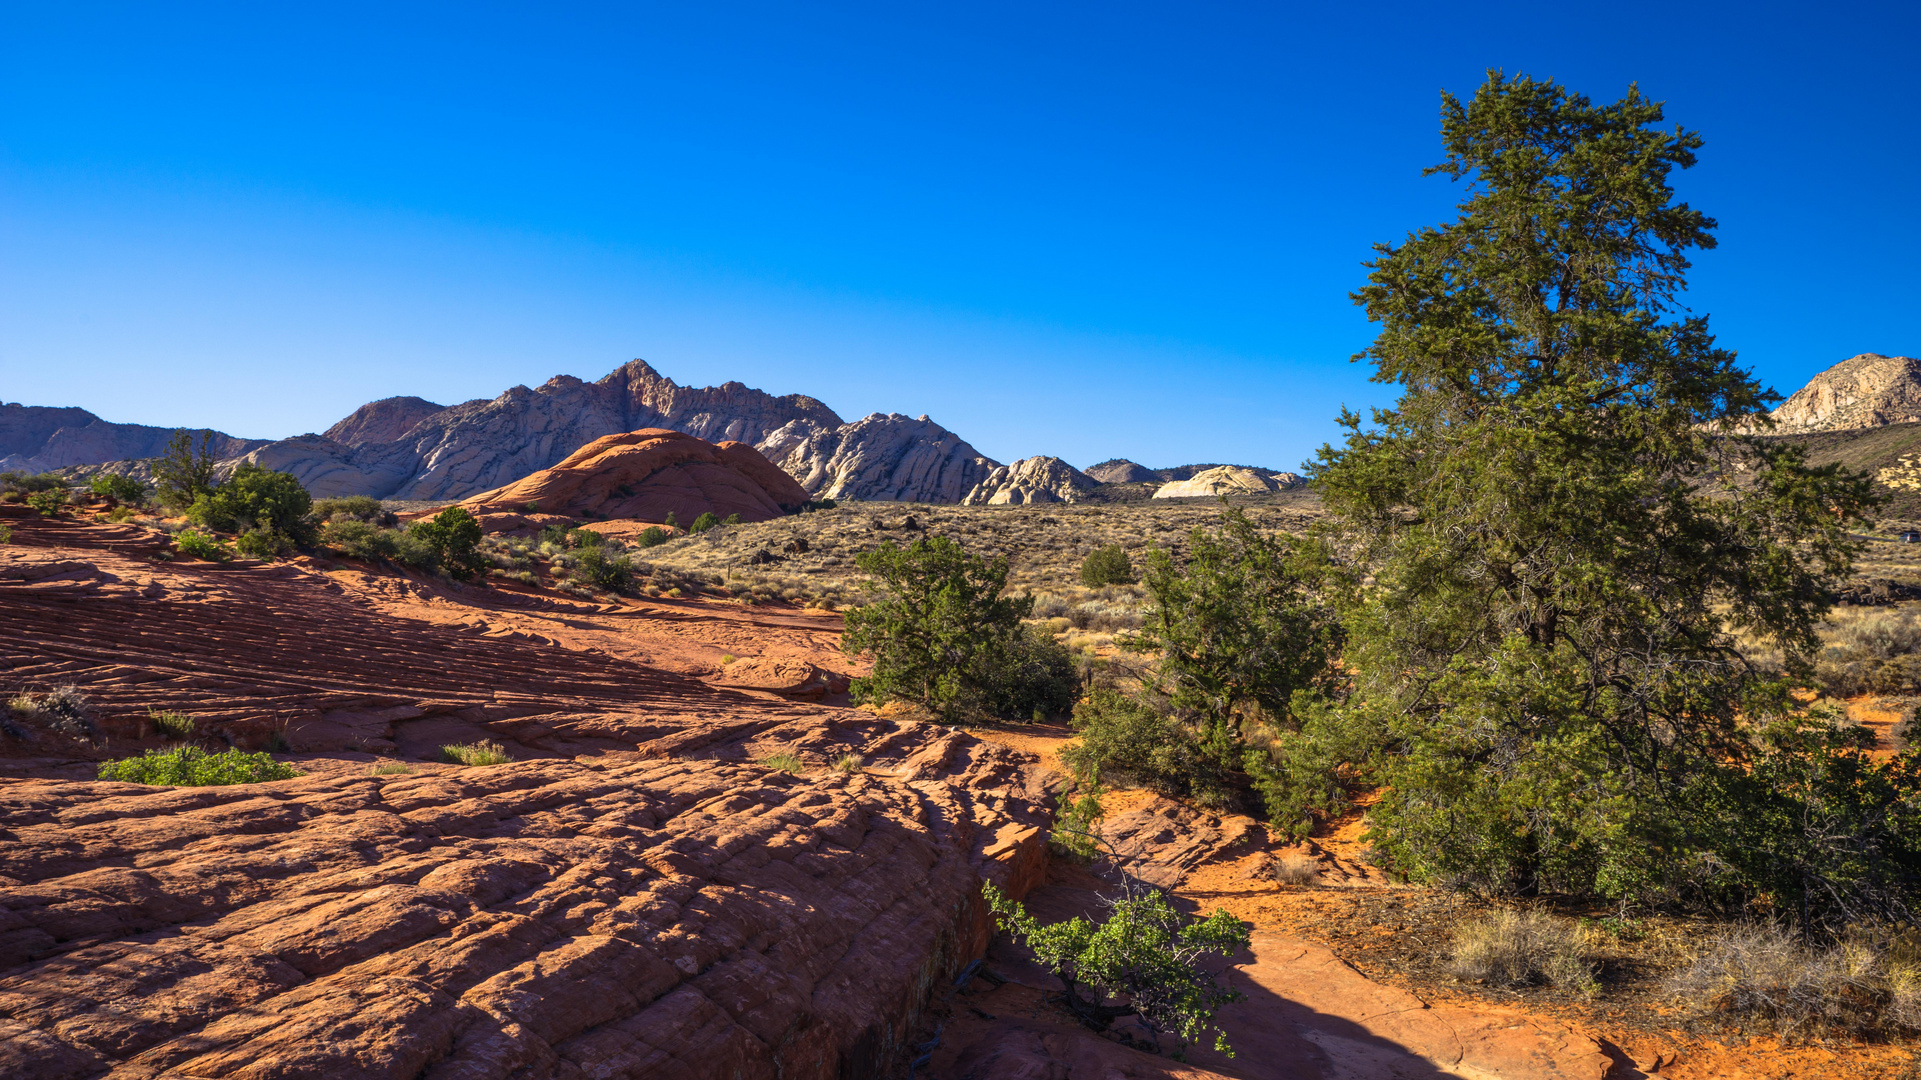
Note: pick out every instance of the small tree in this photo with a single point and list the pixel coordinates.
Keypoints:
(273, 504)
(1145, 953)
(1107, 566)
(181, 474)
(940, 628)
(453, 535)
(705, 521)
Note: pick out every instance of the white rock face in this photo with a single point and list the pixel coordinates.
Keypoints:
(1227, 480)
(880, 457)
(1865, 391)
(1031, 480)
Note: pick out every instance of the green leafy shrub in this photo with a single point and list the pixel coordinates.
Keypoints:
(1107, 566)
(652, 536)
(201, 546)
(6, 534)
(390, 768)
(190, 766)
(453, 535)
(485, 752)
(1127, 742)
(1144, 952)
(672, 521)
(256, 499)
(614, 573)
(24, 484)
(121, 489)
(731, 519)
(705, 521)
(1030, 675)
(49, 502)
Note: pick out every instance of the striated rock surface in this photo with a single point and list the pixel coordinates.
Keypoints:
(880, 457)
(649, 474)
(36, 438)
(1121, 471)
(1227, 480)
(1865, 391)
(382, 421)
(1031, 480)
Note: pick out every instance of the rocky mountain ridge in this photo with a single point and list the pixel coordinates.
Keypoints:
(1864, 391)
(39, 438)
(1031, 480)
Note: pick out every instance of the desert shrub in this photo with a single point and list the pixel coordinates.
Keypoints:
(48, 503)
(1127, 742)
(585, 538)
(672, 521)
(1294, 870)
(848, 763)
(1077, 821)
(453, 535)
(190, 766)
(938, 629)
(121, 489)
(201, 546)
(171, 725)
(786, 761)
(1144, 952)
(1031, 674)
(614, 573)
(484, 752)
(553, 536)
(365, 507)
(1107, 566)
(1766, 975)
(1049, 606)
(731, 519)
(357, 539)
(262, 542)
(1519, 948)
(65, 709)
(256, 499)
(704, 522)
(1870, 651)
(652, 536)
(30, 483)
(183, 474)
(6, 534)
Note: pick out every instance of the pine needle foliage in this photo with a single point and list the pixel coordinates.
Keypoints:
(1552, 537)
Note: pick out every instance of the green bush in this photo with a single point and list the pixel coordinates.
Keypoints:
(358, 539)
(652, 536)
(1031, 675)
(121, 489)
(731, 519)
(453, 535)
(939, 631)
(1107, 566)
(786, 761)
(190, 766)
(705, 521)
(614, 573)
(48, 502)
(253, 498)
(1145, 953)
(201, 546)
(28, 483)
(1126, 742)
(6, 534)
(364, 507)
(182, 475)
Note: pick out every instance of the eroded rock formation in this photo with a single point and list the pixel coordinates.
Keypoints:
(1121, 471)
(386, 420)
(1863, 391)
(1031, 480)
(1227, 480)
(882, 457)
(647, 475)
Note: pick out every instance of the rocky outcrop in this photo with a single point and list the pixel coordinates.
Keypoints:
(648, 475)
(1865, 391)
(1121, 471)
(36, 438)
(1031, 480)
(1227, 480)
(386, 420)
(879, 457)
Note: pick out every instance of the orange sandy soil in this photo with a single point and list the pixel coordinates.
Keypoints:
(1397, 935)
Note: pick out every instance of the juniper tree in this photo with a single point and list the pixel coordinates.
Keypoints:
(1564, 538)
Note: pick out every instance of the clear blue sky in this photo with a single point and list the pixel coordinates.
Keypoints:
(1090, 231)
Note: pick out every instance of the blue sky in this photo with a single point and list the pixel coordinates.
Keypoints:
(1090, 231)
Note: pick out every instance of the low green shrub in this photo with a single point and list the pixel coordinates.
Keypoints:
(263, 542)
(389, 768)
(257, 498)
(1127, 742)
(485, 752)
(848, 763)
(652, 536)
(1107, 566)
(731, 519)
(190, 766)
(614, 573)
(705, 521)
(28, 483)
(6, 534)
(201, 546)
(453, 535)
(365, 507)
(48, 502)
(121, 489)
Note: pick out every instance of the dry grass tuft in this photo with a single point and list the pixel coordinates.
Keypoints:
(1518, 948)
(786, 761)
(1294, 870)
(485, 752)
(389, 768)
(1766, 975)
(849, 763)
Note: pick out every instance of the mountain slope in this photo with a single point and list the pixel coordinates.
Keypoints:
(38, 438)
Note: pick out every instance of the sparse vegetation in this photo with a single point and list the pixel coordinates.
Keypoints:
(190, 766)
(785, 761)
(171, 725)
(1144, 953)
(1511, 948)
(1767, 976)
(201, 546)
(49, 502)
(390, 768)
(484, 752)
(1294, 870)
(848, 763)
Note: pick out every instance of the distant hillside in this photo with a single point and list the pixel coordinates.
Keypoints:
(40, 438)
(1870, 450)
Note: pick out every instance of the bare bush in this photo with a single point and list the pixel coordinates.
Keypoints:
(1520, 948)
(1871, 651)
(1870, 981)
(1294, 870)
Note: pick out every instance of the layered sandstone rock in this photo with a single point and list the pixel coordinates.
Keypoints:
(880, 457)
(1031, 480)
(1227, 480)
(647, 475)
(1869, 390)
(36, 438)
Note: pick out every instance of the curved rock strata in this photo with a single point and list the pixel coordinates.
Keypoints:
(1031, 480)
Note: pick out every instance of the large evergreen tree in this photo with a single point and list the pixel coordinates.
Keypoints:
(1555, 542)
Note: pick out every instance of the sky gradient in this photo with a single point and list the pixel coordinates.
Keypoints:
(1089, 231)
